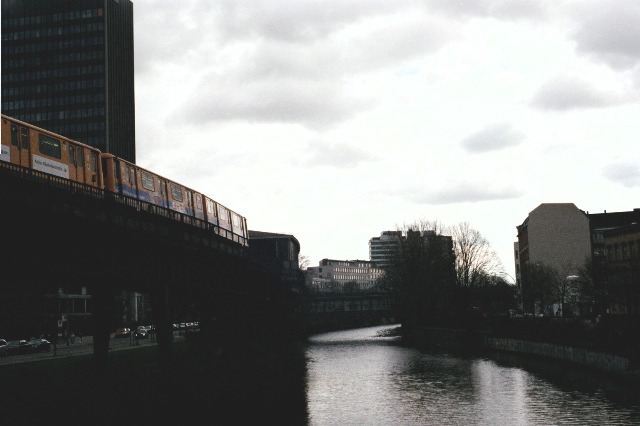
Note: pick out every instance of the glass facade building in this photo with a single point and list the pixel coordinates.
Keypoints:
(67, 67)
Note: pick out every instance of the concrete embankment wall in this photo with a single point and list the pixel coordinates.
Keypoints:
(470, 340)
(602, 361)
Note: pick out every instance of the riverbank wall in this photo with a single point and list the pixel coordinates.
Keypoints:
(470, 340)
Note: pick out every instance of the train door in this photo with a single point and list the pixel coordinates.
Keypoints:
(25, 147)
(20, 147)
(77, 170)
(190, 210)
(164, 202)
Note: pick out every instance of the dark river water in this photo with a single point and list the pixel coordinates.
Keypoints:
(356, 377)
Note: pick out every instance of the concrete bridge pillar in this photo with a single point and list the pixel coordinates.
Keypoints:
(160, 311)
(103, 305)
(160, 293)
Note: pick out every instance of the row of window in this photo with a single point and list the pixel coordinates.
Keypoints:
(53, 46)
(50, 32)
(55, 87)
(65, 101)
(91, 55)
(96, 126)
(43, 116)
(51, 74)
(56, 17)
(354, 270)
(148, 183)
(53, 102)
(51, 147)
(624, 251)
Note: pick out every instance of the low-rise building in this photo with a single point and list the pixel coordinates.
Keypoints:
(333, 275)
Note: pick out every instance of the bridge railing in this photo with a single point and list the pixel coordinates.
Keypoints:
(141, 206)
(55, 181)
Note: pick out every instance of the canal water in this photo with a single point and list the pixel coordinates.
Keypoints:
(361, 377)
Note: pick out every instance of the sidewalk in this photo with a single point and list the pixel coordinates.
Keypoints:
(83, 347)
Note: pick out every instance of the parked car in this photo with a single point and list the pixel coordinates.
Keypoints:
(40, 345)
(3, 348)
(141, 333)
(122, 332)
(18, 347)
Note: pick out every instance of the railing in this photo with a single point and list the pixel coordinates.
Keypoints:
(140, 206)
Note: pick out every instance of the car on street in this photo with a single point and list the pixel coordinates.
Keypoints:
(122, 332)
(141, 333)
(3, 347)
(40, 345)
(18, 347)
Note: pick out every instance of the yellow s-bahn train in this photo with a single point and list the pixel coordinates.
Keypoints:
(44, 151)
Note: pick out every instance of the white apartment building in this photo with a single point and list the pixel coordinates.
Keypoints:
(333, 275)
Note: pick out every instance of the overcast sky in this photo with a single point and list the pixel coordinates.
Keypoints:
(337, 120)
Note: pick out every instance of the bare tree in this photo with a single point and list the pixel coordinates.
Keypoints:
(475, 259)
(303, 262)
(422, 225)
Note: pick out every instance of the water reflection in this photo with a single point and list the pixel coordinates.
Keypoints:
(356, 378)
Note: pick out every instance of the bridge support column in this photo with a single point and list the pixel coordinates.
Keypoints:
(103, 303)
(160, 307)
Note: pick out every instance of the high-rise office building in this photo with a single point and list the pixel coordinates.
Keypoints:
(382, 249)
(67, 67)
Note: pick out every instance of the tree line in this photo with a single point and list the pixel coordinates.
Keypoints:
(442, 275)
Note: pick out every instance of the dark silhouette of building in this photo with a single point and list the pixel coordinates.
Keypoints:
(280, 253)
(67, 66)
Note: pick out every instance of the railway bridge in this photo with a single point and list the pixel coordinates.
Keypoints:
(57, 234)
(334, 311)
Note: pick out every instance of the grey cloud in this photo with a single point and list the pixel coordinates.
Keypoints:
(314, 104)
(166, 34)
(492, 138)
(566, 92)
(296, 21)
(336, 155)
(500, 9)
(610, 32)
(462, 193)
(397, 41)
(625, 173)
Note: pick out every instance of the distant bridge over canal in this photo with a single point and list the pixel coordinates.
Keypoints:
(333, 311)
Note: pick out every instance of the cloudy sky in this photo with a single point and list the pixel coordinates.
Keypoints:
(336, 120)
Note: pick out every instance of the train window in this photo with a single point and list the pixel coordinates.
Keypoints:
(223, 213)
(176, 192)
(24, 136)
(14, 135)
(147, 181)
(132, 175)
(72, 154)
(50, 146)
(210, 210)
(93, 161)
(80, 157)
(236, 220)
(199, 202)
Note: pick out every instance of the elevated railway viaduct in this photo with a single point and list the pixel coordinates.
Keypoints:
(57, 233)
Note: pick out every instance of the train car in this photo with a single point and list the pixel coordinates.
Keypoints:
(230, 224)
(38, 149)
(128, 179)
